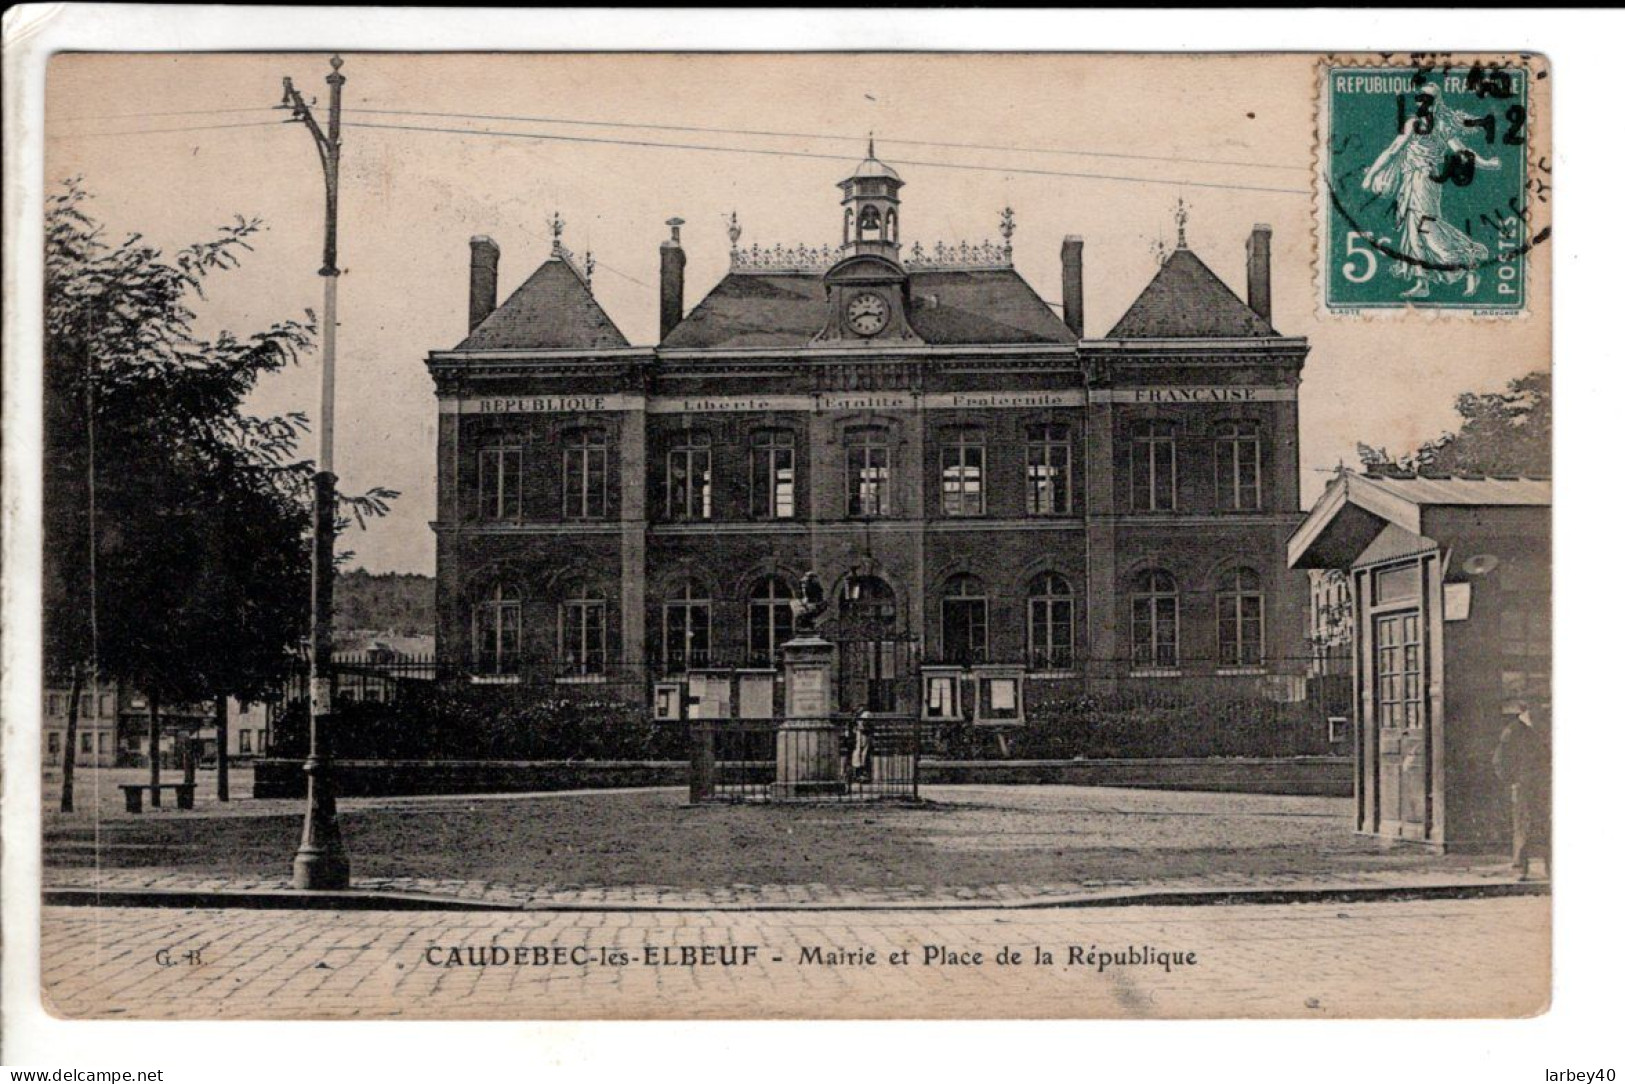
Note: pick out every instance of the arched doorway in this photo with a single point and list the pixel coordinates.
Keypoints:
(873, 659)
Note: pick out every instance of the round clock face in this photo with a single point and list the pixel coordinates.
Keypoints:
(867, 313)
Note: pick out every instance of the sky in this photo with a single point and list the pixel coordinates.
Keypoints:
(1231, 136)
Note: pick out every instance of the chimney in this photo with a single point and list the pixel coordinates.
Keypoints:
(482, 279)
(672, 260)
(1072, 283)
(1258, 271)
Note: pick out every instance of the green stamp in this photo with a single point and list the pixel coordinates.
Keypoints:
(1425, 199)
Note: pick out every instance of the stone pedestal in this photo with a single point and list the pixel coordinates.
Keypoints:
(808, 746)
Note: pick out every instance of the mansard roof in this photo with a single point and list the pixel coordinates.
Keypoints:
(1186, 300)
(553, 310)
(981, 306)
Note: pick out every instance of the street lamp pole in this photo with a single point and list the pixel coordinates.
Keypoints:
(321, 862)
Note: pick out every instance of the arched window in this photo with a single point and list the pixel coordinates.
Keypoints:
(771, 622)
(773, 474)
(496, 633)
(688, 476)
(1049, 623)
(964, 620)
(963, 457)
(1241, 618)
(1155, 603)
(586, 474)
(686, 630)
(501, 475)
(1237, 466)
(1153, 468)
(1049, 470)
(583, 618)
(868, 472)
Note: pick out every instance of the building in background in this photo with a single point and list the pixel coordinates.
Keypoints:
(97, 726)
(992, 499)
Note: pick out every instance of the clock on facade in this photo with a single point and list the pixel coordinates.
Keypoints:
(867, 314)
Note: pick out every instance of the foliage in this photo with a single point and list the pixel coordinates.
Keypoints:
(201, 510)
(1502, 433)
(403, 602)
(449, 722)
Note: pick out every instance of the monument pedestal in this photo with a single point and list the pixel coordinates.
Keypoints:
(808, 745)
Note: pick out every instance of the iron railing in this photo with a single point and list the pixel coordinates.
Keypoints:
(785, 760)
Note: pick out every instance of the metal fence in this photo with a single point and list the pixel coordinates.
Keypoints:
(787, 760)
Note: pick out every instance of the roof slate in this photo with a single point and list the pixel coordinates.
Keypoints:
(971, 307)
(1186, 300)
(553, 310)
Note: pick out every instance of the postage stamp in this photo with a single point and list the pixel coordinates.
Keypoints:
(1428, 185)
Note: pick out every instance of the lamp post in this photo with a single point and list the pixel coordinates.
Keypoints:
(321, 862)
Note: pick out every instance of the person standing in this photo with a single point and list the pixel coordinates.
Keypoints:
(1523, 763)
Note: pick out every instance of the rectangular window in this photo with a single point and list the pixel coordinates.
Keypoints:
(1049, 633)
(586, 475)
(53, 743)
(688, 479)
(583, 650)
(245, 742)
(1049, 471)
(87, 744)
(1393, 584)
(1153, 468)
(1241, 630)
(496, 637)
(687, 636)
(101, 744)
(500, 479)
(964, 630)
(773, 476)
(1156, 632)
(868, 476)
(1399, 671)
(259, 741)
(1238, 459)
(962, 461)
(53, 704)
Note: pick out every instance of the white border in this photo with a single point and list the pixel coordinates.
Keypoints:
(1581, 1031)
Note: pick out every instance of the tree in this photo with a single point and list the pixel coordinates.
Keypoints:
(176, 524)
(1502, 433)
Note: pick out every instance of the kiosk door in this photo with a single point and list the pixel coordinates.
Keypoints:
(1402, 722)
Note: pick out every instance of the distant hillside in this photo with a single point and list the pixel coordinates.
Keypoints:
(390, 600)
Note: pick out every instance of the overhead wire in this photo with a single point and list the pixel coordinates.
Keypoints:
(1021, 170)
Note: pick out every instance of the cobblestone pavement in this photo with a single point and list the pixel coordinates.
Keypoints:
(1389, 959)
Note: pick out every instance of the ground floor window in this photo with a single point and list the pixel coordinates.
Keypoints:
(1241, 619)
(686, 630)
(964, 620)
(496, 634)
(1049, 623)
(582, 632)
(1155, 623)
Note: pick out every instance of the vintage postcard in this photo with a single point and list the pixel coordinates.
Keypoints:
(795, 535)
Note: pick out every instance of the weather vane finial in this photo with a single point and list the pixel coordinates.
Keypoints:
(871, 143)
(735, 231)
(557, 222)
(1181, 215)
(1007, 226)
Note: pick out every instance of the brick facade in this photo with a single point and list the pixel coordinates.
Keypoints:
(969, 454)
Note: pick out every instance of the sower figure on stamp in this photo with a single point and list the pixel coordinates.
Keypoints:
(1428, 154)
(1523, 762)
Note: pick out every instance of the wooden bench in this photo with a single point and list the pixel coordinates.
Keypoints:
(132, 794)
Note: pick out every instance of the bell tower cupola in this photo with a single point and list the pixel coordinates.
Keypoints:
(869, 207)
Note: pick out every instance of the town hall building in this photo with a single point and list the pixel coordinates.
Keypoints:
(989, 499)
